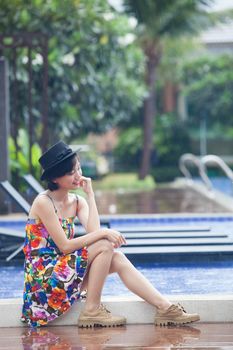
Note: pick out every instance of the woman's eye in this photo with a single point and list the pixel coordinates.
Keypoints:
(74, 171)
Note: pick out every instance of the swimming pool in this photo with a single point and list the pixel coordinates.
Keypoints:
(173, 279)
(177, 272)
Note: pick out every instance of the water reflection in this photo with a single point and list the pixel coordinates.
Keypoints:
(161, 200)
(136, 337)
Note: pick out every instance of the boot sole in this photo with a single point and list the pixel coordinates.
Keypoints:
(90, 324)
(167, 322)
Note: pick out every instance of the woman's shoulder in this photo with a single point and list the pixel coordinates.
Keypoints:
(42, 199)
(42, 196)
(40, 203)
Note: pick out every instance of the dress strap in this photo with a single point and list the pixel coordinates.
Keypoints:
(55, 209)
(77, 200)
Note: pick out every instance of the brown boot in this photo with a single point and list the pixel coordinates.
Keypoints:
(174, 315)
(100, 318)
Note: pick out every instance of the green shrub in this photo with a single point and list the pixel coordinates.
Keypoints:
(128, 150)
(171, 139)
(124, 181)
(19, 160)
(165, 173)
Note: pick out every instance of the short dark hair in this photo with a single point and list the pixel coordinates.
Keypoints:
(60, 170)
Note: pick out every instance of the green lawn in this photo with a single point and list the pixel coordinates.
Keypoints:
(124, 181)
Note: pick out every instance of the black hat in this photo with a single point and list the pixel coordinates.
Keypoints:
(54, 156)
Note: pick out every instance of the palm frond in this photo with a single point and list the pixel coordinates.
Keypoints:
(162, 17)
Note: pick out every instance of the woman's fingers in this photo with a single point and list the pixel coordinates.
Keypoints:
(115, 237)
(86, 184)
(85, 180)
(124, 240)
(119, 239)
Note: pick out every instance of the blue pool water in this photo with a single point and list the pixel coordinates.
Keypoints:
(178, 279)
(222, 184)
(198, 278)
(191, 275)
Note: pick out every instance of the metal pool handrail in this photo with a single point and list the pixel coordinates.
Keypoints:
(213, 159)
(201, 164)
(191, 158)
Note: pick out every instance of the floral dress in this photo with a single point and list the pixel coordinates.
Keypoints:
(52, 280)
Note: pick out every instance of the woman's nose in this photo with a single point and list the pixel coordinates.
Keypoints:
(77, 176)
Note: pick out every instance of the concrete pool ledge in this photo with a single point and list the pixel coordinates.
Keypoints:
(212, 308)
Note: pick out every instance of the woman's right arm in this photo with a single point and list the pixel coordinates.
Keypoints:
(43, 208)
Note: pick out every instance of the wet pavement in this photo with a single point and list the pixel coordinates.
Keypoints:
(160, 200)
(215, 336)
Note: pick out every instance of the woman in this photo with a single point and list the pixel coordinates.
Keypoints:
(58, 267)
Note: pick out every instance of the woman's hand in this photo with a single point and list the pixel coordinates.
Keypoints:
(86, 185)
(115, 237)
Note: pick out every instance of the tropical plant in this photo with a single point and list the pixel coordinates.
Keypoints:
(208, 85)
(158, 20)
(93, 72)
(19, 160)
(171, 138)
(128, 149)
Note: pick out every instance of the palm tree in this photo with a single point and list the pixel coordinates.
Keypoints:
(158, 19)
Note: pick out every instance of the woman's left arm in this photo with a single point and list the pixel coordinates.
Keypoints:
(87, 210)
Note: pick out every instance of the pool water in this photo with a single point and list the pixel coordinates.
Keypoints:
(222, 184)
(170, 273)
(180, 279)
(172, 279)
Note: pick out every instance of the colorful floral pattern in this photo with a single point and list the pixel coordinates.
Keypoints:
(52, 280)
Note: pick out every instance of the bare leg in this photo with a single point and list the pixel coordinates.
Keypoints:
(99, 257)
(136, 282)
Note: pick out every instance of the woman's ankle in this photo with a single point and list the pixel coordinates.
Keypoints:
(164, 305)
(91, 307)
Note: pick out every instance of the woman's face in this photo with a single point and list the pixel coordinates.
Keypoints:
(72, 179)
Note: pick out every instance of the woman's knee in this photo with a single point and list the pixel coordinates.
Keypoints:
(106, 246)
(119, 261)
(102, 246)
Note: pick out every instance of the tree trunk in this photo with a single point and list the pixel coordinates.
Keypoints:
(45, 127)
(169, 97)
(15, 119)
(152, 54)
(30, 117)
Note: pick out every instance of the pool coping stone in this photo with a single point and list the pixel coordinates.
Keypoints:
(211, 307)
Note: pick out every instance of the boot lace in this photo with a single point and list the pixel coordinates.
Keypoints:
(103, 307)
(181, 307)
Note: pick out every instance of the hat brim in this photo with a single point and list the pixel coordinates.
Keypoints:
(44, 174)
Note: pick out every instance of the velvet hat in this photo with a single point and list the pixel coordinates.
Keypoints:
(55, 155)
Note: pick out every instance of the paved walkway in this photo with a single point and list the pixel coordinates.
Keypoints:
(199, 336)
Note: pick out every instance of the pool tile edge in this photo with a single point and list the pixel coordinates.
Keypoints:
(212, 308)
